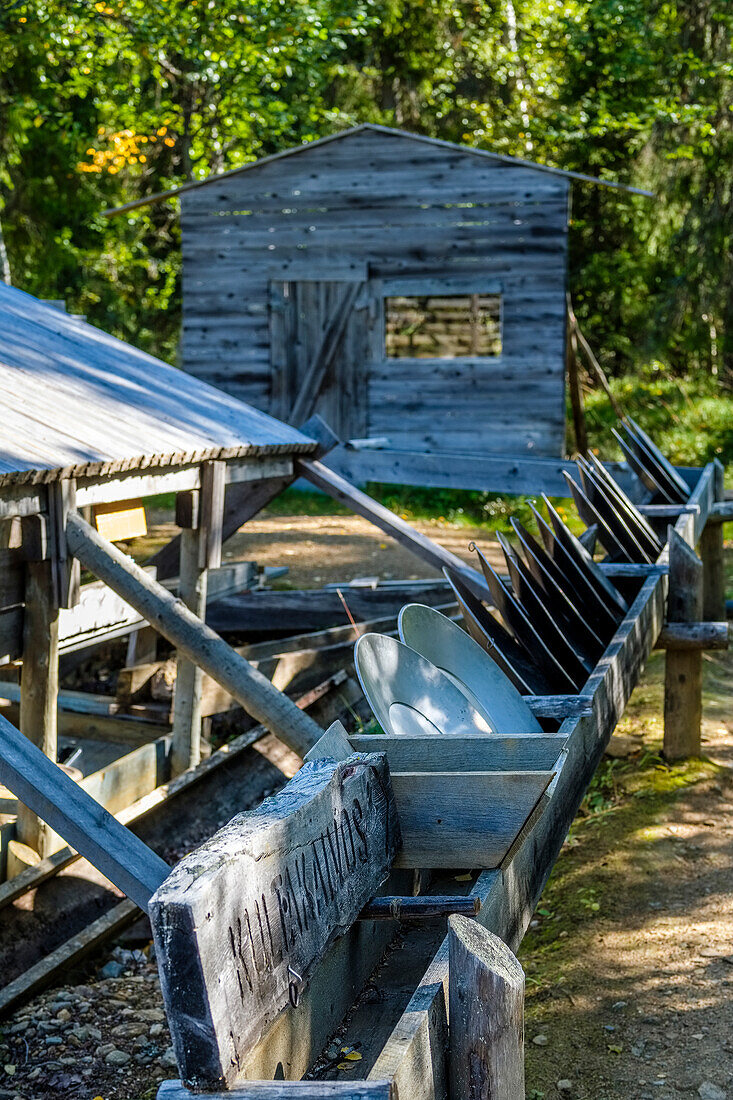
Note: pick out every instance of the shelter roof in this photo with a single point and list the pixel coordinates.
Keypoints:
(77, 401)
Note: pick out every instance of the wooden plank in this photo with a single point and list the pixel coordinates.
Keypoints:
(35, 979)
(193, 638)
(463, 819)
(120, 521)
(287, 878)
(312, 380)
(287, 1090)
(130, 777)
(690, 636)
(428, 907)
(486, 1025)
(492, 473)
(532, 752)
(73, 814)
(683, 666)
(39, 690)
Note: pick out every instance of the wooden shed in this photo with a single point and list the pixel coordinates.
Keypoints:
(409, 290)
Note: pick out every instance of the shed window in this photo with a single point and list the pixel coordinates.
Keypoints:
(451, 326)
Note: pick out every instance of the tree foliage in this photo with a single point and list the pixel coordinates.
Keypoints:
(104, 103)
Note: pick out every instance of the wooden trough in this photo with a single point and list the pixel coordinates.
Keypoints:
(259, 966)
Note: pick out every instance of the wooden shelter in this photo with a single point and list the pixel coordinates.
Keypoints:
(411, 291)
(90, 422)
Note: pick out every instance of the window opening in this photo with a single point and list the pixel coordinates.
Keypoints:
(446, 326)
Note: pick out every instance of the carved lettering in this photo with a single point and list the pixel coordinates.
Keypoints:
(269, 892)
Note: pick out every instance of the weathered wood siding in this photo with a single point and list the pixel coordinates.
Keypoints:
(374, 206)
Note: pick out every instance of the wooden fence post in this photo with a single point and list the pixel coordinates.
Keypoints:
(486, 1015)
(683, 667)
(711, 552)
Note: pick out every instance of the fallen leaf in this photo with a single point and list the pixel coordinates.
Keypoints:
(354, 1056)
(463, 878)
(10, 1069)
(615, 1048)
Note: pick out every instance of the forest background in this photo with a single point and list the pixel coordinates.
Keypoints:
(105, 102)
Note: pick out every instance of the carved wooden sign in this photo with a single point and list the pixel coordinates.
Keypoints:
(240, 923)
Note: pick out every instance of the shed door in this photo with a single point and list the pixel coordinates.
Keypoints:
(319, 352)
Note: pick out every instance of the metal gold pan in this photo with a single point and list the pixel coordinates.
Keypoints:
(454, 652)
(513, 614)
(498, 642)
(534, 602)
(409, 695)
(562, 535)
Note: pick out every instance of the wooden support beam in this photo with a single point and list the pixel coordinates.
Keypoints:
(427, 907)
(692, 636)
(721, 512)
(667, 511)
(486, 1005)
(200, 551)
(39, 684)
(431, 552)
(65, 570)
(73, 814)
(711, 553)
(192, 637)
(286, 1090)
(683, 669)
(242, 502)
(186, 748)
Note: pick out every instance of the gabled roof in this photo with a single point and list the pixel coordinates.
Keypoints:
(77, 401)
(343, 135)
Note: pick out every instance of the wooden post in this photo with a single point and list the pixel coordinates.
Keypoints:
(683, 670)
(486, 1015)
(576, 391)
(186, 745)
(200, 549)
(39, 684)
(713, 563)
(171, 618)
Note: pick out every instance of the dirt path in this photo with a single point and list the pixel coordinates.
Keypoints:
(321, 549)
(630, 962)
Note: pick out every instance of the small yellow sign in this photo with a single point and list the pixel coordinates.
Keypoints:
(125, 519)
